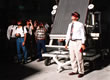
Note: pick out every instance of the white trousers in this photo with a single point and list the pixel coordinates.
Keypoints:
(76, 56)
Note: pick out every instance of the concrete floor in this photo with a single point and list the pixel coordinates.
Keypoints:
(38, 71)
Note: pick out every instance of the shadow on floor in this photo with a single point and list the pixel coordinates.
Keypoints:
(14, 71)
(99, 64)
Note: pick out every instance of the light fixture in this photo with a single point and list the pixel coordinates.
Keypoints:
(53, 12)
(91, 6)
(55, 7)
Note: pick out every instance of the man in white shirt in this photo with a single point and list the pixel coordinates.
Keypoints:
(11, 31)
(21, 39)
(75, 38)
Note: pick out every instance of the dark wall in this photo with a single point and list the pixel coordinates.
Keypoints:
(3, 22)
(104, 8)
(35, 9)
(29, 8)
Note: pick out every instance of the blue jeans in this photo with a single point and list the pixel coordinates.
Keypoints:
(40, 46)
(19, 42)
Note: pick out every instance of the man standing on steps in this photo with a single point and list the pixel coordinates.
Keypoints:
(75, 38)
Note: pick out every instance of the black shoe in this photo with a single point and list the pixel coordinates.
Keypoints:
(80, 75)
(72, 73)
(19, 62)
(24, 62)
(40, 60)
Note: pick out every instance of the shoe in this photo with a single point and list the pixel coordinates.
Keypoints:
(24, 62)
(72, 73)
(39, 60)
(80, 75)
(19, 62)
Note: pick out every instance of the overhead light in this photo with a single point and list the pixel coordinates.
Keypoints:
(55, 7)
(53, 12)
(91, 6)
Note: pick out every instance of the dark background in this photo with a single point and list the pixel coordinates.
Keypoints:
(104, 8)
(35, 9)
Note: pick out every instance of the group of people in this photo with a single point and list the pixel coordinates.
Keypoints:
(75, 41)
(27, 40)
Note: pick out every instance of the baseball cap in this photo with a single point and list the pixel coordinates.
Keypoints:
(76, 14)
